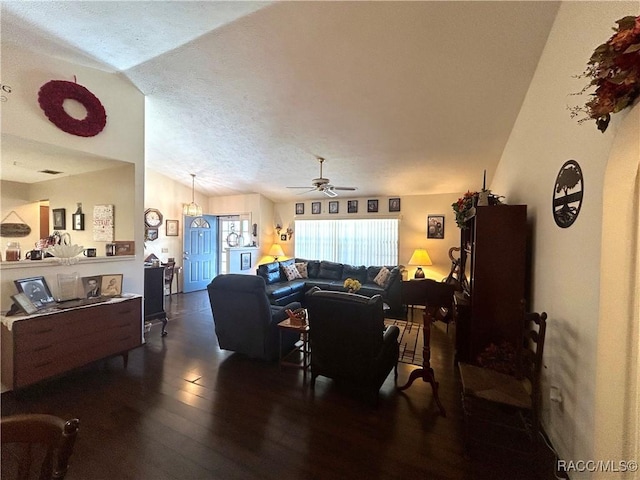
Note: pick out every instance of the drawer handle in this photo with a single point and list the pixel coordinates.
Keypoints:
(39, 349)
(46, 330)
(44, 364)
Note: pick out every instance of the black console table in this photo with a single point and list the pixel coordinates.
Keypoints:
(154, 296)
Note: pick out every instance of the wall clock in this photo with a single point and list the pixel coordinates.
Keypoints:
(152, 217)
(567, 194)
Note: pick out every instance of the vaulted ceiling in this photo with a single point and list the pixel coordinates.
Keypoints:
(399, 97)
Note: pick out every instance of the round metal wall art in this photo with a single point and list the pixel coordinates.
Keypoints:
(567, 194)
(51, 98)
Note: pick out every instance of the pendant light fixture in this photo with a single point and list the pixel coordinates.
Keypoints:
(192, 209)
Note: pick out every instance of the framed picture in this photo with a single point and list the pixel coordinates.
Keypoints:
(91, 286)
(172, 228)
(299, 208)
(334, 206)
(78, 221)
(315, 207)
(372, 206)
(59, 219)
(352, 206)
(111, 285)
(394, 204)
(36, 290)
(435, 226)
(245, 260)
(22, 301)
(125, 248)
(151, 234)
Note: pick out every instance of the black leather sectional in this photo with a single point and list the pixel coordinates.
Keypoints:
(329, 276)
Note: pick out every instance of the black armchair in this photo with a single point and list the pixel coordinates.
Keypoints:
(348, 339)
(244, 320)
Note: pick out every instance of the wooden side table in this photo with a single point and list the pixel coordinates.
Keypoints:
(414, 292)
(301, 348)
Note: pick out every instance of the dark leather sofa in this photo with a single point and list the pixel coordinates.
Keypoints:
(329, 276)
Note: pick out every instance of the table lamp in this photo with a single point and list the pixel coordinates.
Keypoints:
(276, 251)
(421, 258)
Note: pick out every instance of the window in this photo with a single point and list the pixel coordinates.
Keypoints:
(355, 242)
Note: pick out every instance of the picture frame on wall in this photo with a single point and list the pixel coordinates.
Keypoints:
(394, 204)
(352, 206)
(245, 261)
(299, 208)
(78, 221)
(59, 219)
(316, 207)
(334, 206)
(172, 227)
(435, 226)
(372, 206)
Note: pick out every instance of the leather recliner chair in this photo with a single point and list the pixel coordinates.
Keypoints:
(244, 320)
(349, 341)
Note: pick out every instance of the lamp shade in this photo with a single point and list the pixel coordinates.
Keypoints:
(420, 257)
(276, 251)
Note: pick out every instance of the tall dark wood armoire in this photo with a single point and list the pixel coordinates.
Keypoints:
(493, 258)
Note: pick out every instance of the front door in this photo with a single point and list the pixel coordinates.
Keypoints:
(200, 257)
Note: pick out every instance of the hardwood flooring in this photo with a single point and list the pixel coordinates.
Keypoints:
(184, 409)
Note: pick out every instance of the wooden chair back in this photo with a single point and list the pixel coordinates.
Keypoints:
(169, 270)
(535, 328)
(36, 446)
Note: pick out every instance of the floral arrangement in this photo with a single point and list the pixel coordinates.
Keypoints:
(614, 69)
(501, 358)
(464, 207)
(352, 285)
(51, 98)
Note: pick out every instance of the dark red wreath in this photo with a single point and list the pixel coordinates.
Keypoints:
(51, 97)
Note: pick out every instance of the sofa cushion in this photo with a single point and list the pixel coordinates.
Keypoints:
(357, 273)
(330, 270)
(372, 272)
(291, 272)
(302, 269)
(383, 276)
(270, 272)
(279, 290)
(283, 264)
(313, 267)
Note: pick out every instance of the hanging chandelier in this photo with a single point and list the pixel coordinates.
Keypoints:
(192, 209)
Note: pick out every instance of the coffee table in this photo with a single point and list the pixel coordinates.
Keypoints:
(301, 348)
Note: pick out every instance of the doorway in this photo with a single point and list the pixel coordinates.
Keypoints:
(200, 252)
(234, 231)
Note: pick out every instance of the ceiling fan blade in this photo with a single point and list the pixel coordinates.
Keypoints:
(344, 188)
(308, 191)
(300, 187)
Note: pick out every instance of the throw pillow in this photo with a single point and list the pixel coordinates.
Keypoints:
(302, 270)
(291, 272)
(382, 277)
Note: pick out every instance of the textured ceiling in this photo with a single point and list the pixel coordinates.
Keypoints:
(399, 97)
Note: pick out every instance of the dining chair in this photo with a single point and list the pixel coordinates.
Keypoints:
(37, 446)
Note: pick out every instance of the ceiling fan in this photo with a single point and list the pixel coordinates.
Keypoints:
(322, 184)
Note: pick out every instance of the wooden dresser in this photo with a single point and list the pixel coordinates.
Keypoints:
(41, 346)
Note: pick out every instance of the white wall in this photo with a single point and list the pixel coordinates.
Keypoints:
(566, 262)
(122, 139)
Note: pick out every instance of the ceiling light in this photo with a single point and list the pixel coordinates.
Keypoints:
(192, 209)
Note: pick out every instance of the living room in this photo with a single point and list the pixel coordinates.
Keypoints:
(592, 343)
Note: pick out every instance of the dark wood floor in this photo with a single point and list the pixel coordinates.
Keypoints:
(184, 409)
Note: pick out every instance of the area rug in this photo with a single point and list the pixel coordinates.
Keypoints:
(411, 340)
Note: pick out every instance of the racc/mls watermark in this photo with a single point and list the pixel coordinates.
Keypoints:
(600, 466)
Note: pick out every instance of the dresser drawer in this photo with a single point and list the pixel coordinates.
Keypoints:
(52, 344)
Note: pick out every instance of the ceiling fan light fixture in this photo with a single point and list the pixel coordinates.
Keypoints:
(192, 209)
